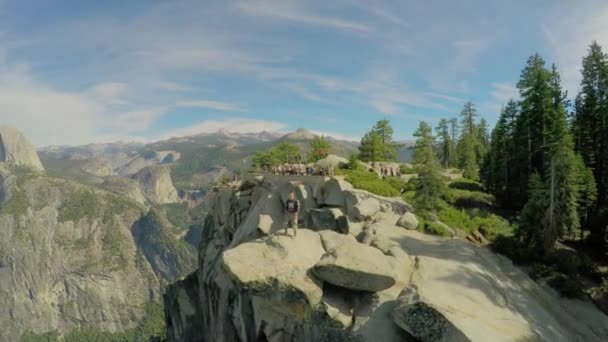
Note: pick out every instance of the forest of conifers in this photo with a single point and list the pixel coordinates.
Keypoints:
(547, 157)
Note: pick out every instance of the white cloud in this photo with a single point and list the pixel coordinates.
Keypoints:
(293, 11)
(215, 105)
(576, 28)
(235, 125)
(500, 94)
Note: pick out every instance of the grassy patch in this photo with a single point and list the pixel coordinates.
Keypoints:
(369, 181)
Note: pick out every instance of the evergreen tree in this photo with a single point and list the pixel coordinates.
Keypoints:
(389, 148)
(319, 148)
(370, 149)
(424, 152)
(590, 125)
(587, 193)
(378, 144)
(453, 141)
(445, 142)
(483, 139)
(549, 155)
(467, 146)
(429, 184)
(529, 228)
(498, 162)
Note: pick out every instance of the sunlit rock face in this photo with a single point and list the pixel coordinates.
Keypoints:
(365, 278)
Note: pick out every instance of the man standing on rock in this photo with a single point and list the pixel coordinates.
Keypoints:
(290, 216)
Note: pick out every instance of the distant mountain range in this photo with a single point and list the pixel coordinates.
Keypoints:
(195, 160)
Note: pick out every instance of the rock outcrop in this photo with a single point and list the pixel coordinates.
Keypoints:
(155, 183)
(16, 149)
(254, 283)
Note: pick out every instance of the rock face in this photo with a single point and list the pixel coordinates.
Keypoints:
(150, 158)
(63, 267)
(254, 283)
(155, 183)
(17, 150)
(74, 256)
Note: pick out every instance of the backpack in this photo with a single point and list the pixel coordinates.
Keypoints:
(292, 206)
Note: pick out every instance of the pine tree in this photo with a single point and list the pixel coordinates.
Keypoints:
(590, 126)
(483, 139)
(551, 157)
(370, 149)
(467, 145)
(424, 152)
(587, 193)
(319, 148)
(529, 228)
(497, 171)
(429, 184)
(445, 142)
(453, 141)
(389, 148)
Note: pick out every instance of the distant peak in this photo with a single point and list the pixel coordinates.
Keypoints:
(300, 134)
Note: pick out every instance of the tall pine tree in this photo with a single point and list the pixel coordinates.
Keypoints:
(467, 146)
(444, 145)
(590, 128)
(429, 184)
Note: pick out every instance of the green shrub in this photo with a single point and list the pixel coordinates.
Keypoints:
(408, 170)
(436, 229)
(369, 181)
(466, 184)
(568, 287)
(512, 248)
(541, 271)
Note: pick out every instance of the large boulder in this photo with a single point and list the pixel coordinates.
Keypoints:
(331, 160)
(331, 193)
(155, 182)
(408, 221)
(327, 218)
(278, 267)
(366, 209)
(353, 198)
(422, 321)
(354, 266)
(16, 149)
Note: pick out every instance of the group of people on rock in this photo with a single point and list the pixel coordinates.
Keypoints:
(302, 170)
(387, 170)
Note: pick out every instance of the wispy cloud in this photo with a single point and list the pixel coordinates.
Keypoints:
(576, 29)
(296, 12)
(215, 105)
(500, 94)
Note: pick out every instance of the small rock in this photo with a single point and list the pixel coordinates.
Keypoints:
(408, 221)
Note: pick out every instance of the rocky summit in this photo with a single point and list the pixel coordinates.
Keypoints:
(17, 150)
(354, 273)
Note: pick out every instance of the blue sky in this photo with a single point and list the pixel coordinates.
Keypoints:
(74, 72)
